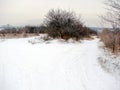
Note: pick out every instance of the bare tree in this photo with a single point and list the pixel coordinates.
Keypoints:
(111, 39)
(113, 13)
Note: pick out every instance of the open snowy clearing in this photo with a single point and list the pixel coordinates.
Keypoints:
(53, 66)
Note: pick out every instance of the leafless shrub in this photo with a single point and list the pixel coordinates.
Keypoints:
(63, 24)
(111, 39)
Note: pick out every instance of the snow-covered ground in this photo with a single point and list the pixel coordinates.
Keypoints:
(53, 65)
(110, 62)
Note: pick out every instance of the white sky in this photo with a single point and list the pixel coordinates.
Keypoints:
(28, 12)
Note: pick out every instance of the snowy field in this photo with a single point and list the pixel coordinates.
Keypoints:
(53, 65)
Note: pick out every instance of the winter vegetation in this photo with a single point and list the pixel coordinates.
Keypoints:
(62, 53)
(65, 25)
(111, 38)
(110, 57)
(57, 24)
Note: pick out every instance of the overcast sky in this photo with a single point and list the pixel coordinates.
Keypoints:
(32, 12)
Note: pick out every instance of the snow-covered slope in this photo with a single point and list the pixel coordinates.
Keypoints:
(53, 66)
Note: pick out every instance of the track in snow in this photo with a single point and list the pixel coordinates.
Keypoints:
(52, 67)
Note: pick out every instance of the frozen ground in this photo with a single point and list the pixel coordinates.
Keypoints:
(53, 65)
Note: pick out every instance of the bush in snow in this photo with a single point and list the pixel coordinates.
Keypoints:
(63, 24)
(111, 39)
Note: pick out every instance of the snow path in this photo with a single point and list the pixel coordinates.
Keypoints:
(53, 66)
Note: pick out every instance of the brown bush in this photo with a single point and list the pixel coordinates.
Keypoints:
(111, 39)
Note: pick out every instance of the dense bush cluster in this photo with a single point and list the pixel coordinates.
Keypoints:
(63, 24)
(111, 39)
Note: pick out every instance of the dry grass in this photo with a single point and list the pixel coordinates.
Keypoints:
(111, 40)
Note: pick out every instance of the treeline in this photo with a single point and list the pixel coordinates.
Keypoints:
(57, 24)
(26, 29)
